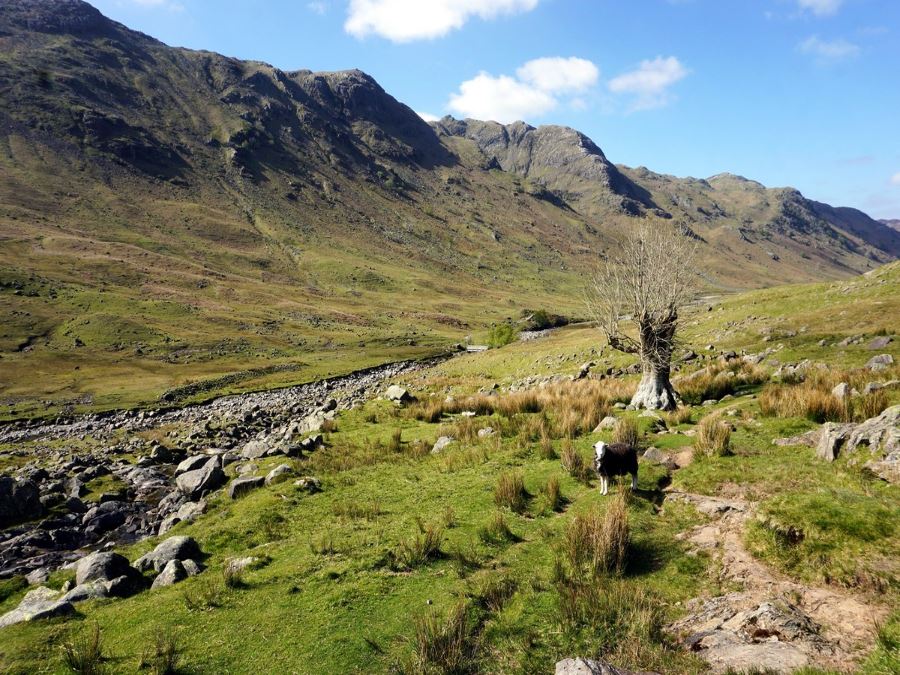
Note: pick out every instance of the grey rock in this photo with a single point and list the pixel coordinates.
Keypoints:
(441, 443)
(172, 573)
(173, 548)
(255, 450)
(101, 566)
(40, 603)
(841, 390)
(197, 482)
(309, 484)
(397, 394)
(881, 342)
(880, 362)
(20, 500)
(88, 591)
(606, 424)
(279, 474)
(241, 486)
(579, 666)
(486, 432)
(191, 464)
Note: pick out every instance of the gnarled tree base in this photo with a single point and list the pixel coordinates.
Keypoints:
(655, 392)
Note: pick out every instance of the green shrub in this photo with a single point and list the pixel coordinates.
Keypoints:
(501, 334)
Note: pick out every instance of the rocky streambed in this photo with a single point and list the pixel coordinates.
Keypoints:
(46, 520)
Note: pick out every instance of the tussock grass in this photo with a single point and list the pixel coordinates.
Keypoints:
(496, 530)
(83, 653)
(713, 436)
(812, 398)
(357, 510)
(681, 415)
(492, 591)
(546, 449)
(444, 644)
(719, 379)
(395, 444)
(626, 431)
(163, 655)
(510, 492)
(596, 543)
(204, 592)
(423, 547)
(571, 408)
(574, 463)
(552, 494)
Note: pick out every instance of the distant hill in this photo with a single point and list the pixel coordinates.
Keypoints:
(168, 215)
(893, 223)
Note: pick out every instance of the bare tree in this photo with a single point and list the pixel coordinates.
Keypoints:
(646, 281)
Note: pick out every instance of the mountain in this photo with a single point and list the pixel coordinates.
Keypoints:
(179, 220)
(893, 223)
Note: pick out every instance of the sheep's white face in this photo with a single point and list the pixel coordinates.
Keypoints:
(599, 449)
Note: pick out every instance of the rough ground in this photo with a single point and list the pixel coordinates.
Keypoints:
(769, 621)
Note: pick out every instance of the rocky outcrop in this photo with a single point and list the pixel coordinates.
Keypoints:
(41, 603)
(877, 441)
(579, 666)
(19, 500)
(174, 548)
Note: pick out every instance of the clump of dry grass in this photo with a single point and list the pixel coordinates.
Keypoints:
(422, 547)
(545, 448)
(510, 492)
(681, 415)
(719, 379)
(870, 405)
(444, 644)
(804, 400)
(574, 463)
(496, 530)
(395, 444)
(552, 494)
(713, 436)
(596, 543)
(163, 655)
(83, 654)
(626, 431)
(492, 591)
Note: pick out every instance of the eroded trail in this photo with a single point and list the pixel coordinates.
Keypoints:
(768, 621)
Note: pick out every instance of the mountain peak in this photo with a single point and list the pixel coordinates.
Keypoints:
(55, 16)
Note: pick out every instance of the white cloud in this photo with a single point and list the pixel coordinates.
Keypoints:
(828, 51)
(535, 90)
(502, 99)
(427, 116)
(649, 83)
(895, 179)
(406, 20)
(317, 7)
(821, 7)
(555, 74)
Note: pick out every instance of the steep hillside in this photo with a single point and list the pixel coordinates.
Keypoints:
(170, 217)
(893, 223)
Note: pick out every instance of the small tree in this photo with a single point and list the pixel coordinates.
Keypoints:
(646, 280)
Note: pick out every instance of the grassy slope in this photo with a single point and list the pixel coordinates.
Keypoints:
(328, 600)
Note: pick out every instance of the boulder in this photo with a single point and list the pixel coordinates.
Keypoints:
(487, 431)
(579, 666)
(187, 512)
(172, 573)
(174, 548)
(279, 474)
(841, 390)
(200, 481)
(308, 484)
(101, 566)
(241, 486)
(397, 394)
(881, 342)
(89, 591)
(880, 362)
(441, 443)
(831, 436)
(41, 603)
(190, 464)
(584, 370)
(255, 450)
(606, 424)
(20, 500)
(657, 456)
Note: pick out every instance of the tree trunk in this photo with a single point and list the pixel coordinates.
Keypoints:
(655, 391)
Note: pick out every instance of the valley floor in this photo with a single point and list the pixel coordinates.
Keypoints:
(493, 553)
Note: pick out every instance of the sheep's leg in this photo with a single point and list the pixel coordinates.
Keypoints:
(604, 485)
(633, 482)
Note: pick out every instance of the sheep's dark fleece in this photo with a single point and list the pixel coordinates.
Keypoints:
(615, 459)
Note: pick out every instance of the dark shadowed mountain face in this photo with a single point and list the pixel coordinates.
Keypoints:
(193, 208)
(893, 223)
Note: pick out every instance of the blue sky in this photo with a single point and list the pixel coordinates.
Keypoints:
(788, 92)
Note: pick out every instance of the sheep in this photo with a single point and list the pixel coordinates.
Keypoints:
(615, 459)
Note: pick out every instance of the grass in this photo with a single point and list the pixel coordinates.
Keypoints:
(713, 436)
(83, 653)
(510, 492)
(163, 655)
(355, 555)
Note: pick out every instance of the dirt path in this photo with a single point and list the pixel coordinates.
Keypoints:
(768, 621)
